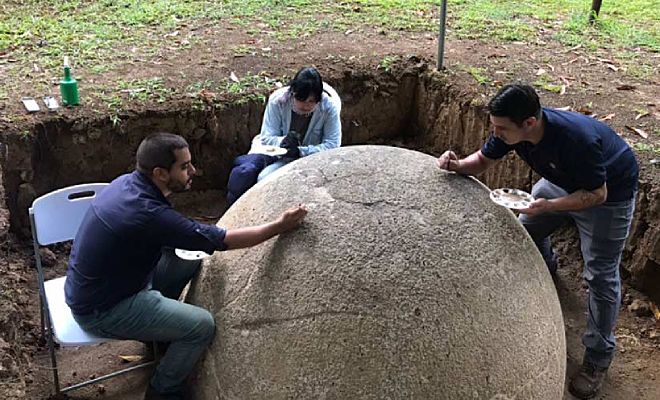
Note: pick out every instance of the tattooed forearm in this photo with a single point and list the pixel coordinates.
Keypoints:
(580, 200)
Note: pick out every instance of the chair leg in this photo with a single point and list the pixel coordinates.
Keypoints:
(53, 360)
(41, 312)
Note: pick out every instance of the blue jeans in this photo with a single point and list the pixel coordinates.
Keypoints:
(273, 167)
(155, 314)
(603, 232)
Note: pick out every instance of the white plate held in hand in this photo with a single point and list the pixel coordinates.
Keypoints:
(191, 254)
(270, 150)
(511, 198)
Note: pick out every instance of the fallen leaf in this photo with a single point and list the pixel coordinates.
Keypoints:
(626, 87)
(562, 90)
(233, 77)
(641, 115)
(607, 117)
(656, 311)
(567, 108)
(605, 60)
(638, 131)
(541, 71)
(206, 95)
(612, 67)
(131, 358)
(584, 110)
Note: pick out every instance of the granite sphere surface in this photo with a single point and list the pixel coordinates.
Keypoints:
(404, 282)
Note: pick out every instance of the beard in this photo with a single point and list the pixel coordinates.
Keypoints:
(178, 187)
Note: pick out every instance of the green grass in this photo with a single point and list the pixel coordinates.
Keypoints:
(388, 61)
(479, 75)
(622, 23)
(645, 147)
(208, 93)
(91, 32)
(101, 35)
(145, 89)
(546, 83)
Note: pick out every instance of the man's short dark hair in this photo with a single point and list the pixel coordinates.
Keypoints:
(307, 82)
(157, 150)
(516, 101)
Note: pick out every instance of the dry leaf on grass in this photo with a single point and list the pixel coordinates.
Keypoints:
(585, 110)
(638, 131)
(131, 358)
(642, 115)
(607, 117)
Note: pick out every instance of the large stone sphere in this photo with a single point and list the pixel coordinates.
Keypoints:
(404, 282)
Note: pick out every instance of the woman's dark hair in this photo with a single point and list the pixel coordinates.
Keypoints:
(307, 82)
(517, 101)
(157, 150)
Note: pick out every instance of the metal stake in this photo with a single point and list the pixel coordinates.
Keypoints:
(441, 35)
(595, 9)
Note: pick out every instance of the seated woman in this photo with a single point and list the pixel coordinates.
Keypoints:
(302, 118)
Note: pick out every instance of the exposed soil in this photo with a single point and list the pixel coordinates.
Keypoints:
(634, 374)
(591, 86)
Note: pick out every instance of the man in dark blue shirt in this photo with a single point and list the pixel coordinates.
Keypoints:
(124, 279)
(589, 175)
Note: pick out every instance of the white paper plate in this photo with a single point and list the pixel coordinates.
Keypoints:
(191, 254)
(511, 198)
(270, 150)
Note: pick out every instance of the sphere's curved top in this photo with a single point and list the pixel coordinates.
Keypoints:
(404, 282)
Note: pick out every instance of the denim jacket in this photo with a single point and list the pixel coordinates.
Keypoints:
(323, 133)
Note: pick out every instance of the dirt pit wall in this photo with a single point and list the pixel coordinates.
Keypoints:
(409, 105)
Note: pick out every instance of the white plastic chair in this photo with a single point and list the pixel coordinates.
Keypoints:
(55, 217)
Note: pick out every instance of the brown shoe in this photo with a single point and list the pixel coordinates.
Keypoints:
(588, 381)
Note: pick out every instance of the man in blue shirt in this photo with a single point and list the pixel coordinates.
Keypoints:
(589, 175)
(124, 280)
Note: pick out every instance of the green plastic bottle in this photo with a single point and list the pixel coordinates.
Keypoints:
(69, 86)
